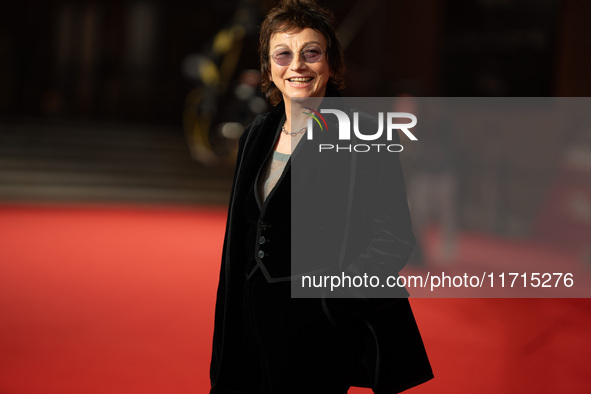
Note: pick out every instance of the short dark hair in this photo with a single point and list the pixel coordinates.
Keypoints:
(296, 15)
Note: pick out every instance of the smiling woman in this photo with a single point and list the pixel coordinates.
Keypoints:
(292, 19)
(299, 67)
(265, 342)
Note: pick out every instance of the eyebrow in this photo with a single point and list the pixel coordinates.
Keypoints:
(303, 45)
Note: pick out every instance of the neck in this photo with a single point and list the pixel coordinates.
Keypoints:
(295, 111)
(287, 102)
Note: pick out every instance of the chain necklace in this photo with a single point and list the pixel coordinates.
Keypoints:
(293, 133)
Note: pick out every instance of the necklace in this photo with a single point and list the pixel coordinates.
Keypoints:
(292, 133)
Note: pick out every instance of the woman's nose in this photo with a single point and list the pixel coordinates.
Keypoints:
(298, 61)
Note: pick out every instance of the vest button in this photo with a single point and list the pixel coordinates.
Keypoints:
(262, 240)
(261, 254)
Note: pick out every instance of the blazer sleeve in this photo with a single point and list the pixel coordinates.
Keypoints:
(385, 220)
(378, 238)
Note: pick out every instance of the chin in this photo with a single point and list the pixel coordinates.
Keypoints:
(306, 94)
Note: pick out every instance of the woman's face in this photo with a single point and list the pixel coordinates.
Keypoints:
(299, 78)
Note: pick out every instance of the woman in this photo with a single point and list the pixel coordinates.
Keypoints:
(264, 341)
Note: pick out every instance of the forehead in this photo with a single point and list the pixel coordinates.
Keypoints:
(296, 39)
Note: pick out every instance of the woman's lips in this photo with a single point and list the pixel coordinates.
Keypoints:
(300, 82)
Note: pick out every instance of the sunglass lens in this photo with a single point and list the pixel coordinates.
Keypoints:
(312, 55)
(283, 58)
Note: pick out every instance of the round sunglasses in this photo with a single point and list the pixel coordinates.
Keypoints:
(310, 54)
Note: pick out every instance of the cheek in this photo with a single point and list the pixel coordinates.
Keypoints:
(272, 73)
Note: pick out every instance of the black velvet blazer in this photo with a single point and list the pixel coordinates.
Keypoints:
(258, 238)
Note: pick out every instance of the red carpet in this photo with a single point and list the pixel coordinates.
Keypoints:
(120, 300)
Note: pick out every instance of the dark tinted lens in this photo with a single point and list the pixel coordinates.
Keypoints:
(312, 54)
(282, 57)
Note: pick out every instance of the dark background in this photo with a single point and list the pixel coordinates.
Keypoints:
(122, 59)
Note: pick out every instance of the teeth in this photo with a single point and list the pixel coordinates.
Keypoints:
(300, 79)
